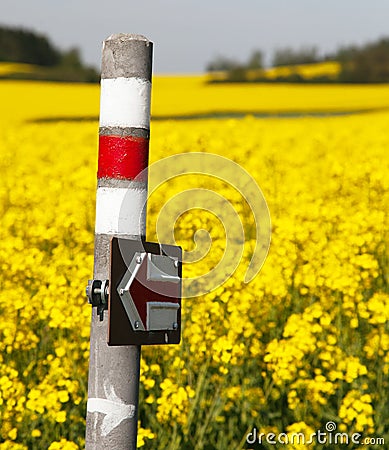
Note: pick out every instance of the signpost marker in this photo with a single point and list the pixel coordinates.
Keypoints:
(113, 384)
(136, 290)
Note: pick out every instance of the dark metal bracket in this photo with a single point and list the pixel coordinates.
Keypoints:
(97, 292)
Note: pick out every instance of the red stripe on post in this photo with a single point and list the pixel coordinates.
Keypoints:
(122, 157)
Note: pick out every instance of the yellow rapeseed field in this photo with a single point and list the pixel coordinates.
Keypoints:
(303, 345)
(10, 68)
(328, 69)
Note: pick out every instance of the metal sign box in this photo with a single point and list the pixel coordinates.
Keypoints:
(144, 302)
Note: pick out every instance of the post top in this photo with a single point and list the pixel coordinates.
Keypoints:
(127, 55)
(127, 37)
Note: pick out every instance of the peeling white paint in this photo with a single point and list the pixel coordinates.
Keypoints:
(114, 409)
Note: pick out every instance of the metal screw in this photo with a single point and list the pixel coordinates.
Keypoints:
(121, 292)
(176, 263)
(136, 324)
(175, 325)
(138, 259)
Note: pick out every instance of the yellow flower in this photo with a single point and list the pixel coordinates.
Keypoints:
(63, 396)
(13, 434)
(356, 409)
(143, 434)
(63, 444)
(60, 416)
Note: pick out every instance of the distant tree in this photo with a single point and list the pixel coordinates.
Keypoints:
(368, 64)
(73, 69)
(71, 58)
(234, 70)
(365, 64)
(256, 60)
(221, 63)
(345, 54)
(19, 45)
(288, 56)
(237, 74)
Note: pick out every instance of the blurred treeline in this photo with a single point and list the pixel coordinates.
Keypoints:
(18, 45)
(368, 63)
